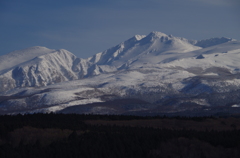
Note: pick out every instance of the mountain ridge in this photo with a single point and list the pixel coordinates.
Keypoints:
(160, 69)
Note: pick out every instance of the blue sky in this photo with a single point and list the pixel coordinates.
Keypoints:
(87, 27)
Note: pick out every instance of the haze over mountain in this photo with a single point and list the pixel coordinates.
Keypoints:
(154, 73)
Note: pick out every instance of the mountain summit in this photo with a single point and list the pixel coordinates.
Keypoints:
(150, 48)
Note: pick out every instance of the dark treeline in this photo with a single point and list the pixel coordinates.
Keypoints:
(59, 135)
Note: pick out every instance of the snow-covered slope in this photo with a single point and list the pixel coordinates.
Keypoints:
(39, 66)
(223, 55)
(171, 74)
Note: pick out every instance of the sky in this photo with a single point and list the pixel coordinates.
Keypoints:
(87, 27)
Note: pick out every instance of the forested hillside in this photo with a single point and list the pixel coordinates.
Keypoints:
(59, 135)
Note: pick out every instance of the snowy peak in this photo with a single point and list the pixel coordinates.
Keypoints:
(167, 39)
(161, 40)
(42, 70)
(142, 47)
(156, 34)
(40, 66)
(114, 53)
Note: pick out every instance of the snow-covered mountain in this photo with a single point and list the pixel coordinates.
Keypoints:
(40, 66)
(157, 73)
